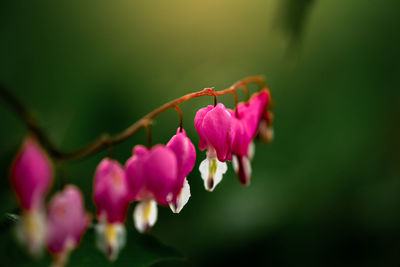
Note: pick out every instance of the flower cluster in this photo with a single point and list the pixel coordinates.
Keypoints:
(152, 176)
(227, 135)
(61, 226)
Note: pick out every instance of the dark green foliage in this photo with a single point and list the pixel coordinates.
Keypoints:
(140, 250)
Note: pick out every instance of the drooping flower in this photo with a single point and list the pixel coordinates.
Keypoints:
(158, 175)
(111, 196)
(31, 176)
(185, 154)
(152, 177)
(246, 122)
(66, 223)
(214, 126)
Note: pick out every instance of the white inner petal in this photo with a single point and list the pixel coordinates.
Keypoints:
(110, 238)
(251, 150)
(145, 215)
(266, 131)
(222, 167)
(182, 199)
(31, 231)
(211, 170)
(101, 243)
(271, 133)
(247, 168)
(235, 163)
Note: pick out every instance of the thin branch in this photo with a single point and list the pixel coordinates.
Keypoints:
(236, 103)
(105, 140)
(29, 120)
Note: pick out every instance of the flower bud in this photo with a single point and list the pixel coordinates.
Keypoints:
(31, 175)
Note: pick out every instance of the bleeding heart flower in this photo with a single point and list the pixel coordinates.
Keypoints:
(66, 223)
(111, 196)
(245, 125)
(152, 177)
(185, 154)
(31, 176)
(214, 126)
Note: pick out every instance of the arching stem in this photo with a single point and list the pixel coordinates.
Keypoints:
(105, 140)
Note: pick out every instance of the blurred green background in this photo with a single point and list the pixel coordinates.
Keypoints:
(326, 192)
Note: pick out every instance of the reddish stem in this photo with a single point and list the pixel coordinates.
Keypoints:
(105, 140)
(181, 118)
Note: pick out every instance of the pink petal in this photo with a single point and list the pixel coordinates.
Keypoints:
(242, 138)
(66, 219)
(252, 111)
(152, 173)
(198, 124)
(185, 154)
(31, 174)
(135, 173)
(161, 170)
(217, 127)
(140, 150)
(246, 124)
(111, 191)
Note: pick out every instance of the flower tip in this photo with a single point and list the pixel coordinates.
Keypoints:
(212, 170)
(110, 238)
(242, 166)
(244, 182)
(210, 185)
(31, 231)
(266, 132)
(181, 199)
